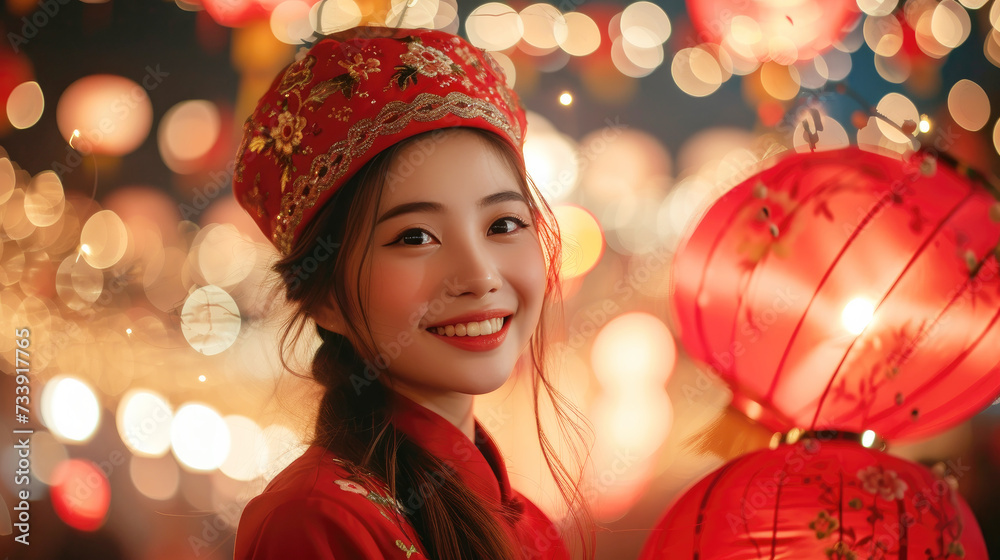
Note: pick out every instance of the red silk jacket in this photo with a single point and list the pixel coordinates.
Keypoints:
(321, 507)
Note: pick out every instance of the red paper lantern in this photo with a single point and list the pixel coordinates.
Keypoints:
(780, 31)
(774, 288)
(831, 500)
(237, 13)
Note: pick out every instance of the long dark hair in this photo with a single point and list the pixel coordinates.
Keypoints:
(354, 413)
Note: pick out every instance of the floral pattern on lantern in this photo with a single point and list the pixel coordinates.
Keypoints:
(818, 499)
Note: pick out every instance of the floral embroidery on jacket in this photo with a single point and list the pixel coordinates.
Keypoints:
(363, 482)
(354, 487)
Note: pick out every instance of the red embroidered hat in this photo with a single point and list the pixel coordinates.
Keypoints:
(350, 97)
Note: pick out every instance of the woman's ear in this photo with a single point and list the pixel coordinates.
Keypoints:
(330, 317)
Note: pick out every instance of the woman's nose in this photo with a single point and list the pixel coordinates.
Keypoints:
(474, 270)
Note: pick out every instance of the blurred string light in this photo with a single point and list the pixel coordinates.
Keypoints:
(566, 98)
(70, 409)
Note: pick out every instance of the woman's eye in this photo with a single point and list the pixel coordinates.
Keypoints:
(414, 237)
(508, 224)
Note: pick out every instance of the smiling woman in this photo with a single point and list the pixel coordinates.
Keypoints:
(439, 271)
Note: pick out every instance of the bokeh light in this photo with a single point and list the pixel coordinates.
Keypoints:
(418, 13)
(697, 72)
(187, 132)
(157, 478)
(103, 239)
(902, 115)
(47, 453)
(877, 7)
(950, 23)
(577, 34)
(290, 22)
(44, 199)
(969, 105)
(210, 320)
(540, 21)
(70, 409)
(633, 350)
(334, 15)
(199, 437)
(112, 114)
(645, 25)
(248, 453)
(80, 494)
(143, 420)
(552, 162)
(582, 240)
(25, 105)
(494, 26)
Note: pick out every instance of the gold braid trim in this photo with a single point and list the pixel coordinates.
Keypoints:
(327, 169)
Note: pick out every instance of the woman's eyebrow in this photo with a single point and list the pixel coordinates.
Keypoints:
(407, 207)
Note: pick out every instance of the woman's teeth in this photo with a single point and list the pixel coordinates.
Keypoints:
(475, 328)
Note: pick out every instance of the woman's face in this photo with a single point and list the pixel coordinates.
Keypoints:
(455, 255)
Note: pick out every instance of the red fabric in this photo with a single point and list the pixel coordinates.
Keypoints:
(318, 508)
(761, 284)
(350, 97)
(830, 500)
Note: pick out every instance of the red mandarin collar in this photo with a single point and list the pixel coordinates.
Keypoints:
(480, 465)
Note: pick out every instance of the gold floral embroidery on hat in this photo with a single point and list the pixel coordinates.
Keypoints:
(361, 67)
(421, 59)
(254, 199)
(297, 74)
(326, 169)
